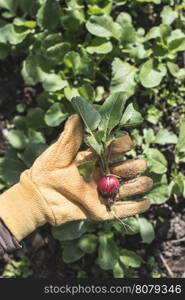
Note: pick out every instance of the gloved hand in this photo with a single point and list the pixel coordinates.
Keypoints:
(53, 191)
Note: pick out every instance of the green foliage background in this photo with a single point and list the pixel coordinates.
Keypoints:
(92, 48)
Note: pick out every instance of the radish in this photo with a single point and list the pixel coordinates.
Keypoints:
(108, 187)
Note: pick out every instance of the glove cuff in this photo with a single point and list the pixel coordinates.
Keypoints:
(23, 208)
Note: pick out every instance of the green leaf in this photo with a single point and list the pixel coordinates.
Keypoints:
(128, 32)
(176, 41)
(87, 64)
(23, 23)
(35, 136)
(20, 122)
(20, 108)
(181, 139)
(177, 45)
(1, 172)
(86, 169)
(56, 52)
(10, 34)
(131, 117)
(53, 83)
(180, 147)
(128, 35)
(2, 184)
(124, 18)
(131, 226)
(55, 115)
(11, 167)
(4, 51)
(153, 267)
(88, 243)
(35, 118)
(151, 75)
(99, 46)
(32, 71)
(168, 15)
(164, 137)
(70, 92)
(80, 62)
(91, 119)
(175, 70)
(72, 60)
(17, 139)
(177, 185)
(48, 15)
(130, 258)
(70, 230)
(8, 15)
(87, 92)
(11, 5)
(165, 34)
(153, 114)
(31, 152)
(137, 51)
(99, 7)
(111, 112)
(153, 33)
(152, 1)
(159, 193)
(103, 26)
(149, 136)
(51, 40)
(92, 142)
(118, 270)
(75, 16)
(108, 252)
(88, 113)
(123, 77)
(146, 230)
(72, 252)
(99, 93)
(157, 161)
(45, 99)
(29, 7)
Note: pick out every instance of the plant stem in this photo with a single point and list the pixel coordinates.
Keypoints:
(103, 164)
(109, 153)
(105, 155)
(105, 158)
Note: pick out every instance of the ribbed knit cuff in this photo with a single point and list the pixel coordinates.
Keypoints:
(23, 209)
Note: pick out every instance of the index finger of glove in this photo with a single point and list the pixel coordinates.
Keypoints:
(63, 151)
(119, 146)
(69, 141)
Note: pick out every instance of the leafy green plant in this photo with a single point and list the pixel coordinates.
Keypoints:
(104, 125)
(153, 267)
(81, 238)
(122, 58)
(15, 269)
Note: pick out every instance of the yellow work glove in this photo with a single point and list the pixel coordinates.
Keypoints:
(53, 191)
